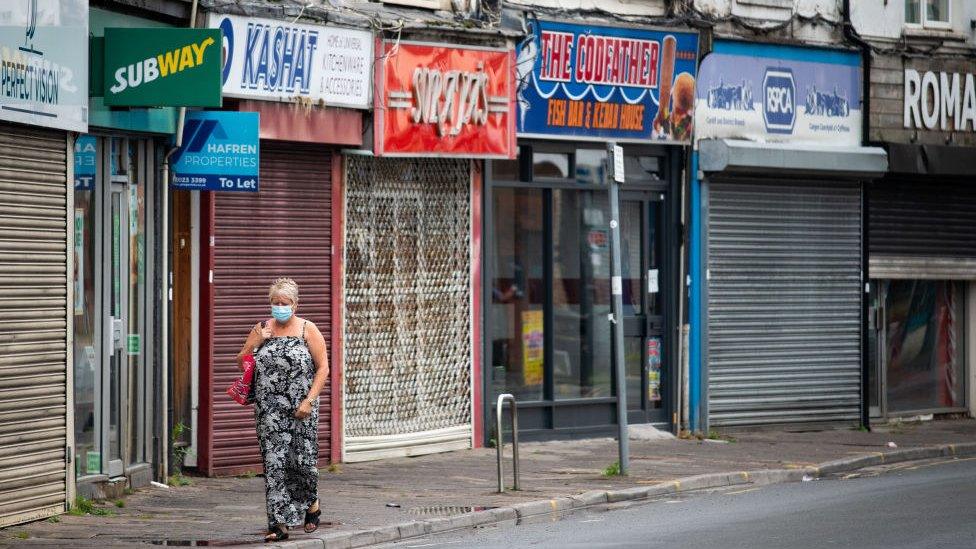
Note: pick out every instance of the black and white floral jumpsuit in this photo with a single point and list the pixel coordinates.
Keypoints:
(289, 446)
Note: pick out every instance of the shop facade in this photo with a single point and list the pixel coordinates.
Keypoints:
(44, 101)
(922, 250)
(777, 258)
(411, 233)
(547, 285)
(284, 226)
(119, 390)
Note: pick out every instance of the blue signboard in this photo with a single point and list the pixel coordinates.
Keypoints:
(85, 159)
(616, 84)
(763, 92)
(220, 152)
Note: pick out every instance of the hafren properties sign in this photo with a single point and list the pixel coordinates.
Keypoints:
(162, 67)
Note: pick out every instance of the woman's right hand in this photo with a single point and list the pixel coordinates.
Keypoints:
(262, 332)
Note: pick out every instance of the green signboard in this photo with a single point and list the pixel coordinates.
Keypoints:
(162, 67)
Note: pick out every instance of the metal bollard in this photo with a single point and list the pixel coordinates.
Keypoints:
(499, 443)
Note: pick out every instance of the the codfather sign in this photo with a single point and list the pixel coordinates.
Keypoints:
(162, 67)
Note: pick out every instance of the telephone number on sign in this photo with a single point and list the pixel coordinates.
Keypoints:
(189, 180)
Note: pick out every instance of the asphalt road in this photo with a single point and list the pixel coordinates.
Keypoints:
(916, 505)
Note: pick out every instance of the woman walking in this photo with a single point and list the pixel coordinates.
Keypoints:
(291, 369)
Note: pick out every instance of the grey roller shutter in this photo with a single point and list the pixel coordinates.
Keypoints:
(784, 302)
(33, 323)
(922, 229)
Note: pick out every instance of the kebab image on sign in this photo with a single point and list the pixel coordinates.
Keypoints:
(676, 108)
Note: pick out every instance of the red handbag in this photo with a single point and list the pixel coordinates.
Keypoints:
(242, 390)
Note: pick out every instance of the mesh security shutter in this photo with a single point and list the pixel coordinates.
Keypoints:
(33, 349)
(784, 302)
(283, 230)
(407, 295)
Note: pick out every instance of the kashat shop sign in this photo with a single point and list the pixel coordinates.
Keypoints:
(162, 67)
(622, 84)
(444, 100)
(281, 61)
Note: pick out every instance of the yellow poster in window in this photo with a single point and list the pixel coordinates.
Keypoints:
(533, 336)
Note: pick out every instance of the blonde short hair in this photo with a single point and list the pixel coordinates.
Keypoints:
(284, 287)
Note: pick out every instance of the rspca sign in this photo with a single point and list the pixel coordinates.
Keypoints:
(772, 93)
(220, 152)
(779, 108)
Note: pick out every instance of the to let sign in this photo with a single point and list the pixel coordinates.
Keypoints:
(162, 67)
(220, 152)
(445, 101)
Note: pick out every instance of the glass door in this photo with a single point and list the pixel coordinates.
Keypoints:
(116, 298)
(643, 312)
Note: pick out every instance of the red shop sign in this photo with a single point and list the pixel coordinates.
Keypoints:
(444, 101)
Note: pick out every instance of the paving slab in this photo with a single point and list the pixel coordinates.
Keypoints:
(376, 498)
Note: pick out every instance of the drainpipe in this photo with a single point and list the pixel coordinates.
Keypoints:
(167, 276)
(851, 34)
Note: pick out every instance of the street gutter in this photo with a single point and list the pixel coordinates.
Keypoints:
(555, 506)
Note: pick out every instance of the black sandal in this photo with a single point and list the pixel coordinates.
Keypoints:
(277, 533)
(312, 519)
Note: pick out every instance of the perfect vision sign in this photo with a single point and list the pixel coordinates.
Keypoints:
(276, 60)
(44, 63)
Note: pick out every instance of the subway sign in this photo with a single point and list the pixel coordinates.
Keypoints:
(162, 67)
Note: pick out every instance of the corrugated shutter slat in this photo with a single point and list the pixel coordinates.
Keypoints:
(33, 341)
(784, 302)
(283, 230)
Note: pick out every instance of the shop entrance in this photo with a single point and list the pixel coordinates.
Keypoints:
(113, 395)
(917, 347)
(640, 230)
(548, 287)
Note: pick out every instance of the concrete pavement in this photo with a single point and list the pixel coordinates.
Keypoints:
(367, 496)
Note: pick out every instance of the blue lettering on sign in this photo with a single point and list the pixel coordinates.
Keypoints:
(85, 161)
(779, 104)
(278, 59)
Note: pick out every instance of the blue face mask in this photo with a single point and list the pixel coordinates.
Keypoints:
(281, 313)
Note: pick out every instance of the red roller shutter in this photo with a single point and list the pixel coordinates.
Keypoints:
(283, 230)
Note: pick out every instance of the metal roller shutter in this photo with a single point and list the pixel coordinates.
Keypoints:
(784, 302)
(922, 230)
(33, 341)
(407, 341)
(283, 230)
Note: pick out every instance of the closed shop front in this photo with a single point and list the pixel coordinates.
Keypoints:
(285, 229)
(407, 295)
(34, 263)
(411, 247)
(784, 300)
(282, 228)
(922, 246)
(778, 230)
(38, 251)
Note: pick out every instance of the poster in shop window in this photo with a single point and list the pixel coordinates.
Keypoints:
(533, 340)
(443, 100)
(607, 83)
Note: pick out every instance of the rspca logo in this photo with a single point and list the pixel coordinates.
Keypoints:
(779, 100)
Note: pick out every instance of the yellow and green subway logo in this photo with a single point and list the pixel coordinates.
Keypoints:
(162, 67)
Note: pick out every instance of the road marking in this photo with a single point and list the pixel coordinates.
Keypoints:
(939, 463)
(741, 491)
(591, 520)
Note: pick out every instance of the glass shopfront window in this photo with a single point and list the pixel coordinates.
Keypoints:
(924, 345)
(112, 289)
(548, 286)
